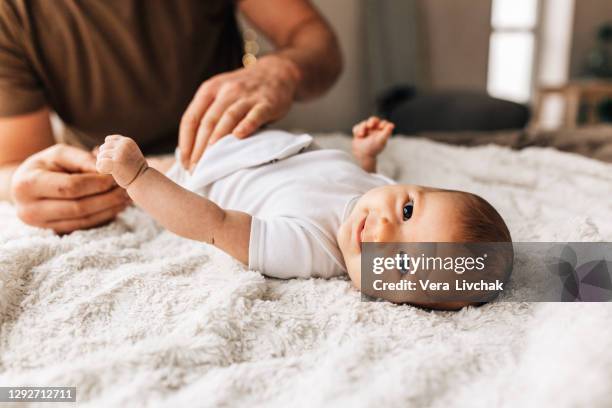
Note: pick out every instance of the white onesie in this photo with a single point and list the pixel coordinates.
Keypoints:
(297, 194)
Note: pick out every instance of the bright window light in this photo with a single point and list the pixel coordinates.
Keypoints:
(511, 49)
(510, 62)
(514, 14)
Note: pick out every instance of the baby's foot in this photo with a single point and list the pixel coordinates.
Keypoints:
(121, 157)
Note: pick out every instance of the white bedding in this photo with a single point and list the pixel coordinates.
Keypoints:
(132, 315)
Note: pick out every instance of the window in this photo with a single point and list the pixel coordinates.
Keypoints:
(512, 49)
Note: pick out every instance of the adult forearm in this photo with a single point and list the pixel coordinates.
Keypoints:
(314, 50)
(190, 215)
(6, 176)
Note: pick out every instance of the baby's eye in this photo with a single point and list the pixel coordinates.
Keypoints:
(407, 211)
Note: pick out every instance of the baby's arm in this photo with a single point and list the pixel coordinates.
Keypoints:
(369, 139)
(177, 209)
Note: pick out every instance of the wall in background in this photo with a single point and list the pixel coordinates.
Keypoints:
(455, 38)
(456, 34)
(345, 103)
(589, 15)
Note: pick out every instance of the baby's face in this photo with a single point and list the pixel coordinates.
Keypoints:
(398, 213)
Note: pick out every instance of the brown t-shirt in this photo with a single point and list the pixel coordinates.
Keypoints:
(114, 66)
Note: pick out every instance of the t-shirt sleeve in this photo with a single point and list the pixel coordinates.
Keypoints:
(282, 248)
(20, 88)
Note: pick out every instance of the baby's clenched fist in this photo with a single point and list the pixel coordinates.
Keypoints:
(121, 157)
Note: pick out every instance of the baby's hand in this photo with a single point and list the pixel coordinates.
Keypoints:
(370, 136)
(121, 157)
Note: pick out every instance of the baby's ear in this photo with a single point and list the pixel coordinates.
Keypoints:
(95, 151)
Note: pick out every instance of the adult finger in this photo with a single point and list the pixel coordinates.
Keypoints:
(258, 116)
(49, 184)
(209, 122)
(69, 158)
(190, 122)
(44, 211)
(93, 220)
(231, 117)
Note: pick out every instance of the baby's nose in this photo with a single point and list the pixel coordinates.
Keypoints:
(385, 230)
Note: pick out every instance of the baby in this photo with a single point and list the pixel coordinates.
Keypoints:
(281, 205)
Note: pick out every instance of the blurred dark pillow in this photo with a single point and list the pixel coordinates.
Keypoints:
(415, 112)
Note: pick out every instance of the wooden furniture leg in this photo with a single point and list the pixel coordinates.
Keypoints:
(572, 107)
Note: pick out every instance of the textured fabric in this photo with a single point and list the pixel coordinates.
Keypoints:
(113, 66)
(297, 194)
(132, 315)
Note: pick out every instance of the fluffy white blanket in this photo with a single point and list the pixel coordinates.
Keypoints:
(132, 315)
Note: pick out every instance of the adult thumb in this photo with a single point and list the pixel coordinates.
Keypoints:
(74, 160)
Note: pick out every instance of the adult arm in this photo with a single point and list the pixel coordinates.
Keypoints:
(301, 36)
(20, 137)
(53, 186)
(306, 63)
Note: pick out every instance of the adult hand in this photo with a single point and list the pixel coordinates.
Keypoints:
(238, 102)
(59, 188)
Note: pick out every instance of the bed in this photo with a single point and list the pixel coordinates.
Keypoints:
(132, 315)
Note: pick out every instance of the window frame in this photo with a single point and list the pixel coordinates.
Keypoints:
(535, 32)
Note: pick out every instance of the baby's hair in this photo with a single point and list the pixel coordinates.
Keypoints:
(482, 223)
